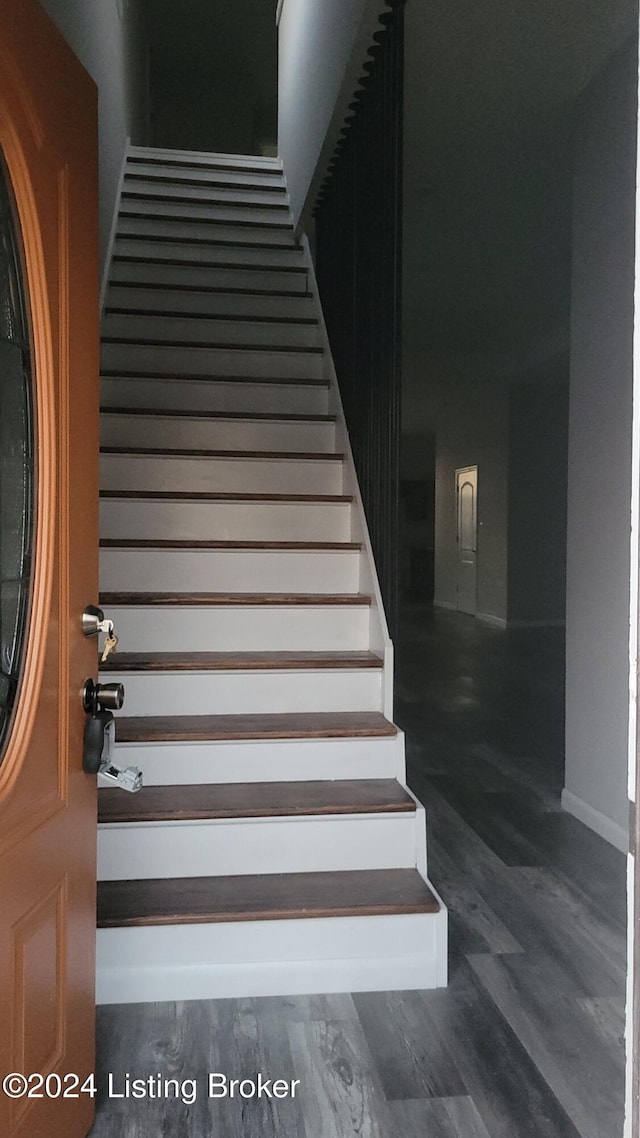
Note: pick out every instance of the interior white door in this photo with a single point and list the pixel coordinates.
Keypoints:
(466, 538)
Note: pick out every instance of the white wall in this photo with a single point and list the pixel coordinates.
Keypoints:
(599, 491)
(537, 518)
(107, 37)
(321, 49)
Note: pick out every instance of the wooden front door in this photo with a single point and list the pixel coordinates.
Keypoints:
(48, 136)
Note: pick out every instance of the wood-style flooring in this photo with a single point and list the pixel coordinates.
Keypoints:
(527, 1040)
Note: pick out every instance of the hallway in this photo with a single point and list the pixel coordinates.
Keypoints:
(527, 1040)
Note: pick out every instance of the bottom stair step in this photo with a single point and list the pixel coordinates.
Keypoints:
(200, 900)
(204, 938)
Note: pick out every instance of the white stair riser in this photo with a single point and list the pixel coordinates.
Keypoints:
(233, 475)
(249, 692)
(185, 212)
(210, 303)
(190, 520)
(225, 231)
(223, 434)
(154, 192)
(269, 958)
(242, 254)
(256, 845)
(217, 331)
(243, 628)
(236, 277)
(234, 397)
(166, 160)
(222, 570)
(273, 760)
(153, 172)
(167, 361)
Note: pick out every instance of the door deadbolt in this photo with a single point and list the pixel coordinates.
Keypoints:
(92, 620)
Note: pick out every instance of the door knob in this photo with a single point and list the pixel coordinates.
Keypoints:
(107, 697)
(100, 701)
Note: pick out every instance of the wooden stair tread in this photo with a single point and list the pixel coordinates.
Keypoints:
(181, 413)
(263, 897)
(198, 802)
(230, 195)
(224, 243)
(234, 599)
(214, 346)
(199, 219)
(227, 195)
(227, 318)
(221, 496)
(176, 543)
(181, 377)
(202, 184)
(226, 290)
(291, 725)
(185, 452)
(241, 266)
(236, 661)
(222, 162)
(198, 377)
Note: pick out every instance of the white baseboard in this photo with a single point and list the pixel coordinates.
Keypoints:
(485, 617)
(489, 618)
(609, 830)
(536, 623)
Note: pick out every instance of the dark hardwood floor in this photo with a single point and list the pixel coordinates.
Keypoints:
(527, 1040)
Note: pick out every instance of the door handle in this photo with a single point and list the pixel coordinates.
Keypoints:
(105, 697)
(99, 701)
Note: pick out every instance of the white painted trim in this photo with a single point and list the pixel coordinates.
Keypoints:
(380, 640)
(499, 621)
(630, 1103)
(281, 4)
(632, 1108)
(613, 833)
(114, 229)
(489, 618)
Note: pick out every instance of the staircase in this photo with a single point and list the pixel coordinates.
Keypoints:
(274, 848)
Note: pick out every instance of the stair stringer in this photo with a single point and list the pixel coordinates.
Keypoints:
(380, 640)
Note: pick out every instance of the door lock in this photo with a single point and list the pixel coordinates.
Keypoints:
(104, 697)
(100, 701)
(93, 622)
